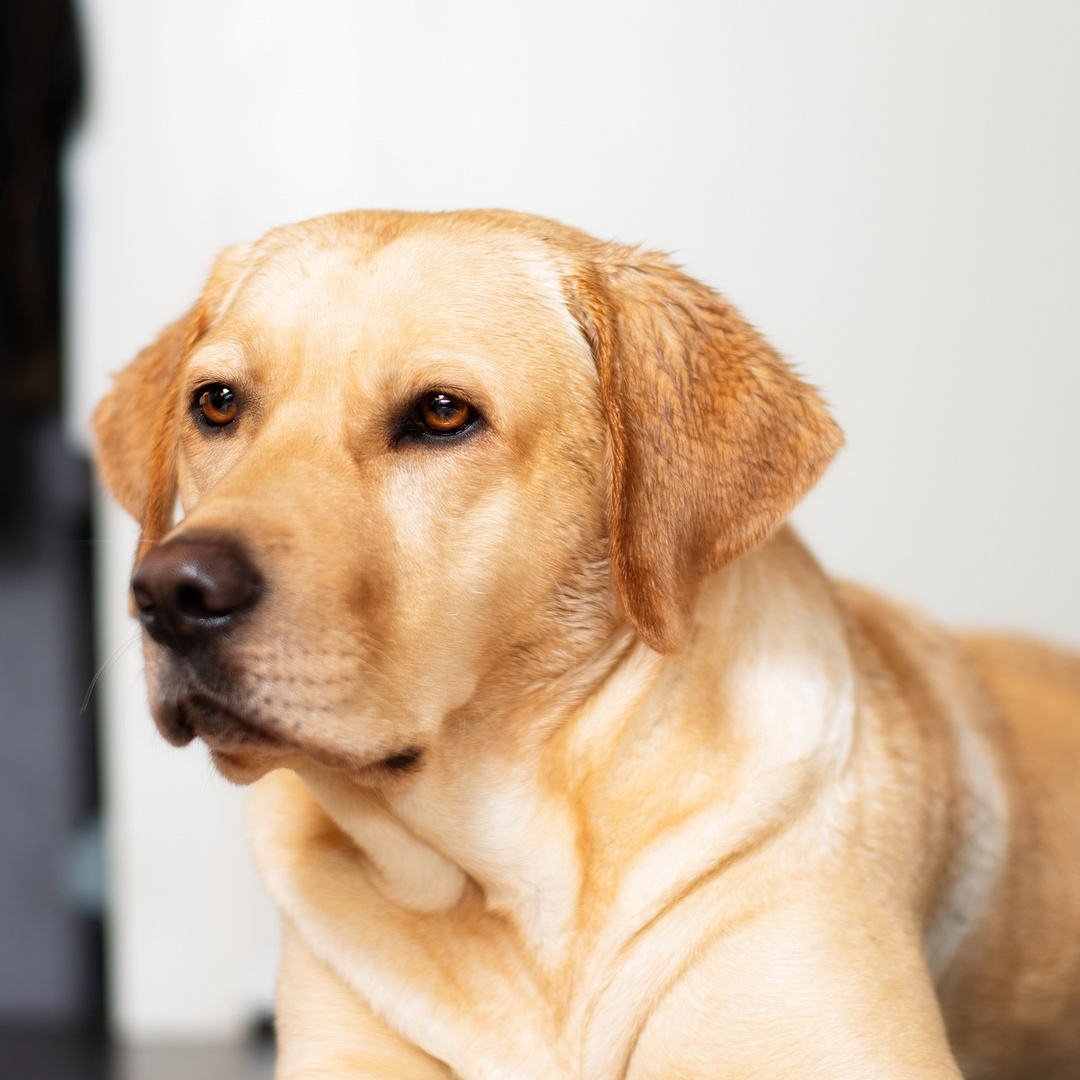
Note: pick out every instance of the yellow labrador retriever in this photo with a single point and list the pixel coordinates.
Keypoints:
(574, 764)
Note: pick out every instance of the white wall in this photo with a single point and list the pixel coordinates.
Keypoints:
(888, 190)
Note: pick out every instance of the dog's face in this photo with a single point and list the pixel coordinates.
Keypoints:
(428, 464)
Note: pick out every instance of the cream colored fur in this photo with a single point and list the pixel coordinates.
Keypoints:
(571, 762)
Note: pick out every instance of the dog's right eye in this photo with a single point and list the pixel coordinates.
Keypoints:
(440, 413)
(215, 405)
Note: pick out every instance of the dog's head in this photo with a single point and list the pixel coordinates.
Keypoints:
(428, 460)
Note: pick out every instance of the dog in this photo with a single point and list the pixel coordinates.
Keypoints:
(570, 761)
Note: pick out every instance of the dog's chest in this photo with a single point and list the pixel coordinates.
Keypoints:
(525, 977)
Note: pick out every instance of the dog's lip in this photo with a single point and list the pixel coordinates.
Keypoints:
(218, 725)
(227, 732)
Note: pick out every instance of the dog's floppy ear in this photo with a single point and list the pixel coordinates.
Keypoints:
(713, 437)
(135, 423)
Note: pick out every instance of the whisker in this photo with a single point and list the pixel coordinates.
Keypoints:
(108, 665)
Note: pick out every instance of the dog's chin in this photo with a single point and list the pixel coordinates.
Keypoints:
(243, 766)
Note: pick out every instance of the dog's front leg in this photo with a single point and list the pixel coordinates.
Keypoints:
(326, 1032)
(837, 991)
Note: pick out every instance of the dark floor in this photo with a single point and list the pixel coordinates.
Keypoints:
(58, 1054)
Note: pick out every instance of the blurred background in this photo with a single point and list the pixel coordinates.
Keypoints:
(889, 190)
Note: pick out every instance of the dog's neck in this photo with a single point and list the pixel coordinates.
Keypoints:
(558, 829)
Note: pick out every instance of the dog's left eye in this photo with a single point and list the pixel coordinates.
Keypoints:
(441, 413)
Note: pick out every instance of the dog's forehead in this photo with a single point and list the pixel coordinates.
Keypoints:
(337, 296)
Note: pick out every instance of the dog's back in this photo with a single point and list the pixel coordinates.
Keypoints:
(1012, 998)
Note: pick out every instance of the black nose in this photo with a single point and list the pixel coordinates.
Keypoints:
(190, 590)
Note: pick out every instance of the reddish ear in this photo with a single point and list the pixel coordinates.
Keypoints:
(713, 437)
(135, 423)
(133, 430)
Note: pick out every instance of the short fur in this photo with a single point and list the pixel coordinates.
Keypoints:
(573, 763)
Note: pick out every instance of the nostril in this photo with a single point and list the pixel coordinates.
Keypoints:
(190, 603)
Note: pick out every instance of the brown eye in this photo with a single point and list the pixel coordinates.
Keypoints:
(440, 413)
(217, 404)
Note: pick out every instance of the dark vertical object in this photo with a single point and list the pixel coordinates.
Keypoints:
(50, 966)
(41, 80)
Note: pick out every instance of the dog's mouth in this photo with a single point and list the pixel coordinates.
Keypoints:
(243, 749)
(197, 716)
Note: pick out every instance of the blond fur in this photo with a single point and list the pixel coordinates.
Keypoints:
(683, 807)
